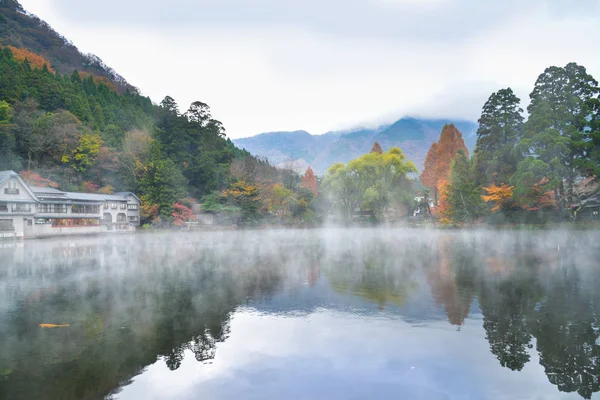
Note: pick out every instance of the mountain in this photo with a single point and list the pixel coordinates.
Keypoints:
(23, 30)
(413, 135)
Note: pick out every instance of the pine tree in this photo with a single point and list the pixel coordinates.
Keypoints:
(500, 127)
(463, 193)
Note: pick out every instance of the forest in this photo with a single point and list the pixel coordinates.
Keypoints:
(82, 132)
(539, 169)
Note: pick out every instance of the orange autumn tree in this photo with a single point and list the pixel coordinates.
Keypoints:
(99, 79)
(501, 196)
(32, 178)
(539, 198)
(439, 158)
(309, 181)
(443, 208)
(35, 60)
(376, 148)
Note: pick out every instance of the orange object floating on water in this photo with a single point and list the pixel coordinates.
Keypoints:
(54, 326)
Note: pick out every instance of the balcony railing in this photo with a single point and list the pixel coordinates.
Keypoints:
(11, 191)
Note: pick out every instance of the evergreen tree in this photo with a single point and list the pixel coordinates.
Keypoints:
(499, 131)
(560, 128)
(463, 193)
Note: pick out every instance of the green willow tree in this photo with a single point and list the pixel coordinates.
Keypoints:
(371, 182)
(500, 129)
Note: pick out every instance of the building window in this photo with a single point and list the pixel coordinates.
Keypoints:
(52, 208)
(6, 225)
(123, 206)
(121, 217)
(74, 222)
(12, 188)
(105, 206)
(21, 208)
(113, 206)
(3, 207)
(133, 219)
(132, 206)
(85, 209)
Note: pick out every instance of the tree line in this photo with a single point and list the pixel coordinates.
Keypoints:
(540, 168)
(78, 132)
(534, 169)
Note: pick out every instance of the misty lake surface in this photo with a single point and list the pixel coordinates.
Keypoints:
(306, 314)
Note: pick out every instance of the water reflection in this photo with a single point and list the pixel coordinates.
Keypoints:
(306, 314)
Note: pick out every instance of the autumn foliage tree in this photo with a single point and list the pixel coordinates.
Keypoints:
(439, 158)
(181, 214)
(309, 181)
(500, 196)
(35, 60)
(247, 197)
(376, 148)
(32, 178)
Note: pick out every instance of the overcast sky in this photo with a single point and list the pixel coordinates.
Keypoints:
(319, 65)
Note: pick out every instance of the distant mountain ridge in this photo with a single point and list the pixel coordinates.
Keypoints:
(413, 135)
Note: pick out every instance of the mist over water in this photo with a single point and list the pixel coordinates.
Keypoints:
(324, 313)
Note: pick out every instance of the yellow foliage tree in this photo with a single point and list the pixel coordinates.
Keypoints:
(501, 196)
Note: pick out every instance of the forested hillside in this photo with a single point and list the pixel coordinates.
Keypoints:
(25, 31)
(81, 131)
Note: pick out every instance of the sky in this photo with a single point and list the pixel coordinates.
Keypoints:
(321, 65)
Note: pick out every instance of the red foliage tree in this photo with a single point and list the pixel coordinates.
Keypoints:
(90, 187)
(440, 156)
(376, 148)
(32, 178)
(309, 181)
(181, 214)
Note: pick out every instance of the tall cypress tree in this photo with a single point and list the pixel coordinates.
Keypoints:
(500, 127)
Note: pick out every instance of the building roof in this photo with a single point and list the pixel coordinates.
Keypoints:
(593, 201)
(45, 192)
(125, 194)
(52, 194)
(39, 189)
(4, 175)
(94, 197)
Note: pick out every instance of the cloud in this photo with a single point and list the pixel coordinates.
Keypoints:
(269, 65)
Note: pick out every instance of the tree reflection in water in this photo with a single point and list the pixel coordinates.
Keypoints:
(132, 301)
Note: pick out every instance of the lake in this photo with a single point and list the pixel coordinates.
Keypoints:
(306, 314)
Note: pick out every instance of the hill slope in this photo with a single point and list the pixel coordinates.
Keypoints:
(413, 135)
(87, 131)
(20, 29)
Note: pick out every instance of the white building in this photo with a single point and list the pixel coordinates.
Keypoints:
(27, 211)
